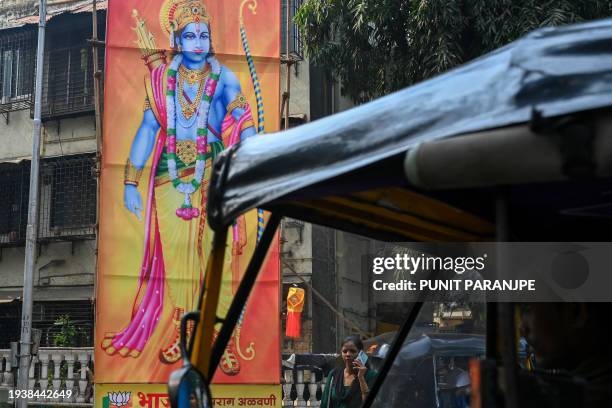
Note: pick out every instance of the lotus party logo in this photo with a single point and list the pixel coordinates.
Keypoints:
(119, 399)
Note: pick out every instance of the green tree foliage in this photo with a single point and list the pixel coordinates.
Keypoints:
(378, 46)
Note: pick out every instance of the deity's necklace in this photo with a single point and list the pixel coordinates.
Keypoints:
(187, 118)
(186, 211)
(192, 77)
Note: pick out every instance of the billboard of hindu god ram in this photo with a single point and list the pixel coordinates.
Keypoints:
(184, 80)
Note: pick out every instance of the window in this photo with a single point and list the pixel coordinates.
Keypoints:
(295, 40)
(17, 64)
(67, 200)
(10, 316)
(73, 195)
(14, 179)
(68, 82)
(68, 192)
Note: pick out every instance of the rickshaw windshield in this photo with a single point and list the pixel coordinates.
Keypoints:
(362, 300)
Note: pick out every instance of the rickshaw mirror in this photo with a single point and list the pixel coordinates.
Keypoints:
(187, 388)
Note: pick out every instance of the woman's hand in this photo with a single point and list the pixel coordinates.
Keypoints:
(361, 369)
(132, 200)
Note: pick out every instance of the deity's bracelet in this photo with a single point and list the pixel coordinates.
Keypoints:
(132, 174)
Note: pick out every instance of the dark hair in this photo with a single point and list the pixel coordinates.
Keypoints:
(353, 339)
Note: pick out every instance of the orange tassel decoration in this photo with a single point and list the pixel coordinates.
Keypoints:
(295, 305)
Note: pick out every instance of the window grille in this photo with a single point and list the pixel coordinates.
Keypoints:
(44, 316)
(295, 39)
(67, 200)
(79, 312)
(17, 65)
(68, 82)
(14, 190)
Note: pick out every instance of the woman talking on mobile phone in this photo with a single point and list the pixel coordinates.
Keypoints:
(348, 386)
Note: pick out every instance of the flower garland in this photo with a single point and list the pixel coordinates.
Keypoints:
(186, 211)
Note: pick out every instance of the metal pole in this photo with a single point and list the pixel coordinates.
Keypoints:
(97, 77)
(288, 93)
(32, 228)
(505, 310)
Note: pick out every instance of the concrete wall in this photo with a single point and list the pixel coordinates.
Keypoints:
(299, 102)
(296, 249)
(67, 136)
(325, 322)
(10, 10)
(340, 103)
(353, 283)
(63, 270)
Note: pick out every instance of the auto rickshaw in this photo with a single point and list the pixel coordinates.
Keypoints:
(513, 146)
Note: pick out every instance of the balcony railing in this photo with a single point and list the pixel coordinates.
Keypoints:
(68, 82)
(295, 38)
(62, 369)
(17, 62)
(55, 369)
(303, 380)
(302, 387)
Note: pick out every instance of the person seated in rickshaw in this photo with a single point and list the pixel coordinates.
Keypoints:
(573, 337)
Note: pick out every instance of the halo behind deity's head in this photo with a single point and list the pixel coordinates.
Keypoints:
(177, 14)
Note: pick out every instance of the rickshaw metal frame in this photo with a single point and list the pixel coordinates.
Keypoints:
(350, 189)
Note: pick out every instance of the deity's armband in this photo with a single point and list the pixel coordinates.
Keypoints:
(132, 174)
(240, 101)
(246, 119)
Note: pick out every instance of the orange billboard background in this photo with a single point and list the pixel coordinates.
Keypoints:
(122, 235)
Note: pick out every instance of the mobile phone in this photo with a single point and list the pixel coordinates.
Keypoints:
(362, 357)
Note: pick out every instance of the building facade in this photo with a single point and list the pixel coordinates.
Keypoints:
(64, 275)
(65, 261)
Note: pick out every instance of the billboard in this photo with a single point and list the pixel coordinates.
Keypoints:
(184, 80)
(156, 395)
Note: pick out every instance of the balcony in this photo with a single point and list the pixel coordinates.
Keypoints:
(68, 83)
(17, 62)
(55, 369)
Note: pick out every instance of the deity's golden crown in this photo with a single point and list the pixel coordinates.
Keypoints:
(176, 14)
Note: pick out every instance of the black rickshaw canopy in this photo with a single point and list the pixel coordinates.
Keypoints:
(552, 72)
